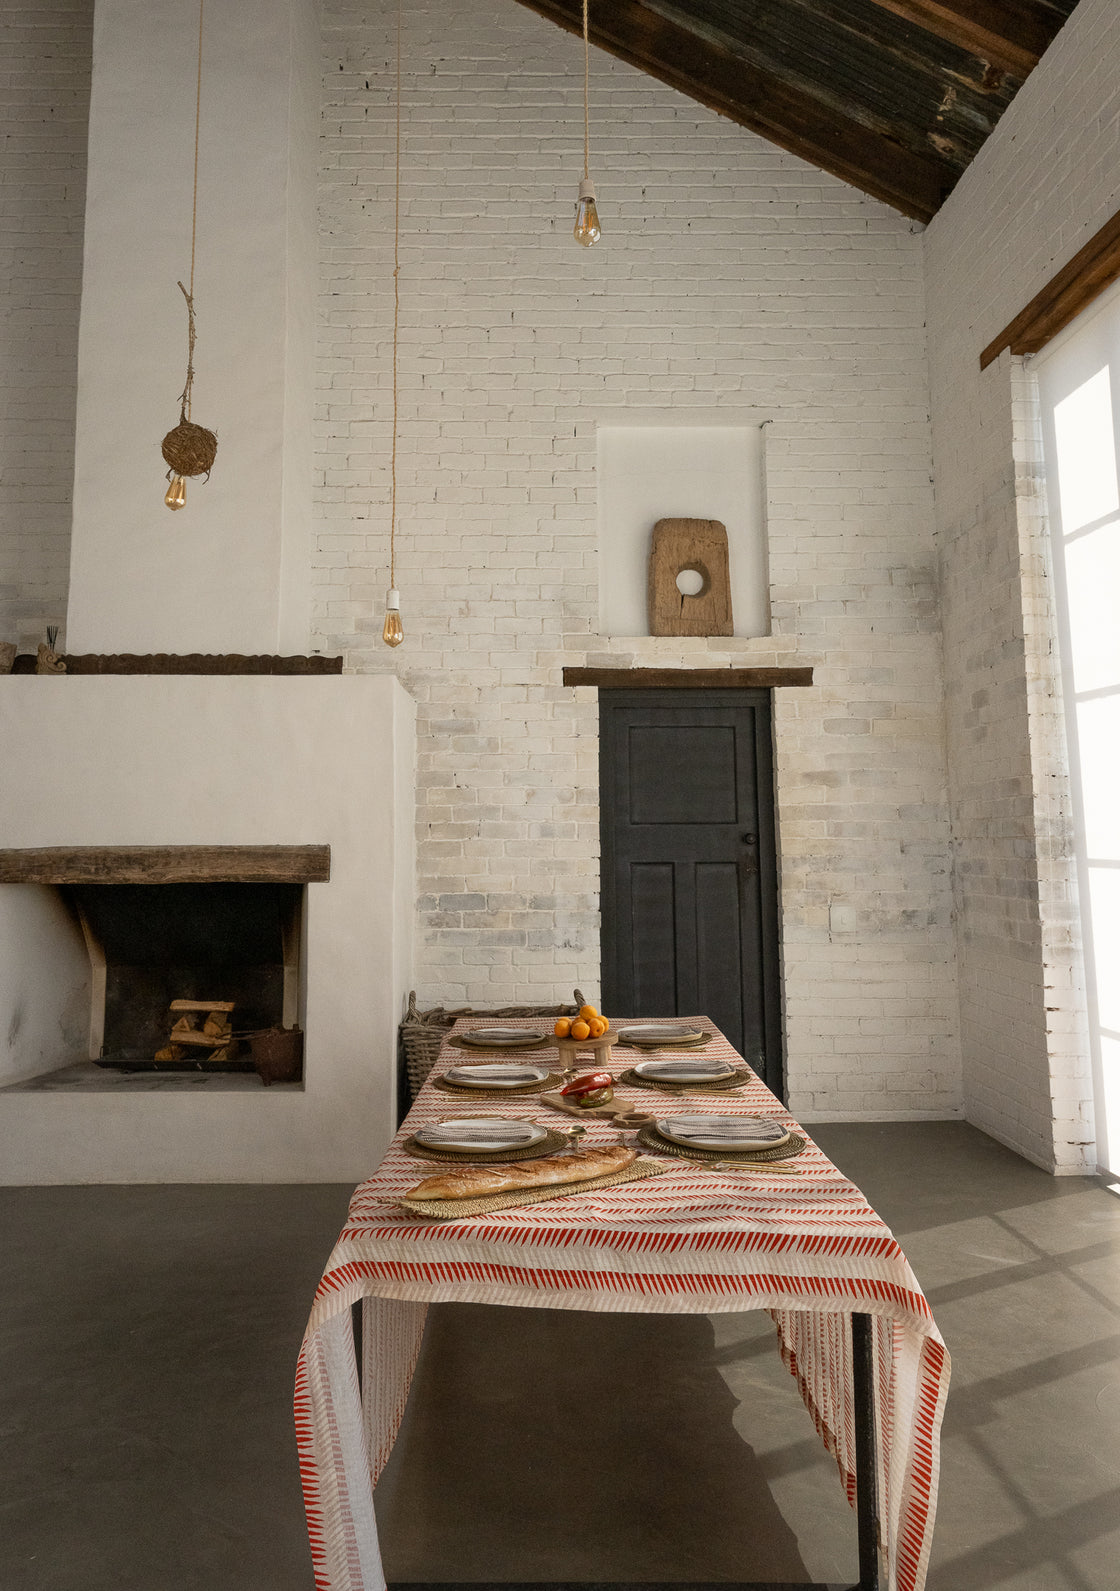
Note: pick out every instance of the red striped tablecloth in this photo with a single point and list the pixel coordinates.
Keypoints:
(808, 1248)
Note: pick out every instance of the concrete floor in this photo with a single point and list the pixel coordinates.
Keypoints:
(148, 1337)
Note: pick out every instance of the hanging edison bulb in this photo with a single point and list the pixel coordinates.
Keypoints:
(586, 230)
(392, 631)
(176, 494)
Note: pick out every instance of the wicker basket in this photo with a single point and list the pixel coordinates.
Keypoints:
(422, 1032)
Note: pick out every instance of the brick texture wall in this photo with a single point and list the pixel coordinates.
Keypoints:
(1041, 186)
(44, 107)
(733, 282)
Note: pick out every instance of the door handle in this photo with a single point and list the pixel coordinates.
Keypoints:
(749, 839)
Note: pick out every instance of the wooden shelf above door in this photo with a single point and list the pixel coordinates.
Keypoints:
(700, 679)
(166, 864)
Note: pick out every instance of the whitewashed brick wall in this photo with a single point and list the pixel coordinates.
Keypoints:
(733, 282)
(1042, 185)
(44, 106)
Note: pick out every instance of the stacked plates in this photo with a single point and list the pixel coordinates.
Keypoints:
(730, 1133)
(498, 1075)
(473, 1134)
(499, 1038)
(657, 1035)
(682, 1071)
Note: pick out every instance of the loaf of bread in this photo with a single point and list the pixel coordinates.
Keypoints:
(476, 1182)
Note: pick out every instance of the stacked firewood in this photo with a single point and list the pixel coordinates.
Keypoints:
(197, 1025)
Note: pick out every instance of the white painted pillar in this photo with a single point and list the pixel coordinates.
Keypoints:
(230, 572)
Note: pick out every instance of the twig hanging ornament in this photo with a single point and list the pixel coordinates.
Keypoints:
(189, 449)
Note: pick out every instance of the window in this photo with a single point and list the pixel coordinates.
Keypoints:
(1079, 384)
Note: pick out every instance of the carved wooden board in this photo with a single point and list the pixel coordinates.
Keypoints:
(699, 544)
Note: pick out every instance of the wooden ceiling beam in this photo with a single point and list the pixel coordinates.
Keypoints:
(787, 116)
(1009, 33)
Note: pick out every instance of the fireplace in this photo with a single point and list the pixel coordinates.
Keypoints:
(276, 872)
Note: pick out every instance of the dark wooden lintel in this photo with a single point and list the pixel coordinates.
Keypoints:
(1072, 289)
(789, 116)
(166, 864)
(1008, 33)
(630, 679)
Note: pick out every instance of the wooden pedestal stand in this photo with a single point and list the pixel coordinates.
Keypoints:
(599, 1051)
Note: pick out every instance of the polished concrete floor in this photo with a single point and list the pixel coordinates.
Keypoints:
(148, 1337)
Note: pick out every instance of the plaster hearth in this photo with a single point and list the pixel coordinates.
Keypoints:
(182, 761)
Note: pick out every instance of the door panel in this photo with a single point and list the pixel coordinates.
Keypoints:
(689, 876)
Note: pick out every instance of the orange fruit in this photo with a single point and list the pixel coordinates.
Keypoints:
(563, 1027)
(598, 1027)
(587, 1012)
(580, 1029)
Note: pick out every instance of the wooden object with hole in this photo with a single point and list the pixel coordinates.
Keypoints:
(699, 544)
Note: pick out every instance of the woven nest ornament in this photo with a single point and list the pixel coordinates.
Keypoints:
(189, 449)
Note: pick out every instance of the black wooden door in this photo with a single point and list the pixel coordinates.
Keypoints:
(689, 874)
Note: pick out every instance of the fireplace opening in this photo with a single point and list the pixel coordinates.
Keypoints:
(150, 945)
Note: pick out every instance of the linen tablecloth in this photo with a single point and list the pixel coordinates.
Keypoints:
(808, 1248)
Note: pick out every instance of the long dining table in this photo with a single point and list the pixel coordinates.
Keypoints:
(796, 1238)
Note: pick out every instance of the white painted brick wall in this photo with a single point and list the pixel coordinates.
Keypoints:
(1039, 189)
(732, 280)
(44, 106)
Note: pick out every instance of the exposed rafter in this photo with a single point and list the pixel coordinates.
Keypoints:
(893, 96)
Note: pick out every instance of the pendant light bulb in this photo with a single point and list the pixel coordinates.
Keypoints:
(586, 230)
(176, 494)
(392, 631)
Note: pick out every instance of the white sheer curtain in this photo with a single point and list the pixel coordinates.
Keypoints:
(1079, 388)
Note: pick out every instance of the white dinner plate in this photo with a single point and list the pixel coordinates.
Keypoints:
(502, 1074)
(682, 1071)
(480, 1132)
(488, 1038)
(697, 1131)
(659, 1033)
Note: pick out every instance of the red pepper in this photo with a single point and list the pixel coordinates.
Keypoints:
(589, 1083)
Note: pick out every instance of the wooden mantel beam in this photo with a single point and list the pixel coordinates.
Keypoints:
(787, 115)
(1008, 33)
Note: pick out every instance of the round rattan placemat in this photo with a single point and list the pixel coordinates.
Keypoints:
(650, 1138)
(739, 1078)
(547, 1145)
(463, 1091)
(667, 1044)
(461, 1042)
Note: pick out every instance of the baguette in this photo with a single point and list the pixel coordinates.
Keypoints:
(475, 1182)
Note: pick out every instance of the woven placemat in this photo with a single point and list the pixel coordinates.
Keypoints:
(484, 1092)
(650, 1138)
(455, 1209)
(667, 1044)
(459, 1043)
(739, 1078)
(547, 1145)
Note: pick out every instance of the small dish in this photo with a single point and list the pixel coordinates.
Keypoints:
(654, 1033)
(505, 1038)
(472, 1133)
(502, 1074)
(698, 1131)
(681, 1071)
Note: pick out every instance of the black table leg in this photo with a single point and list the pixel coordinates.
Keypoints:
(867, 1469)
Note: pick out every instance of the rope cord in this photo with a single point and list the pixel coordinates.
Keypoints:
(396, 317)
(586, 88)
(185, 398)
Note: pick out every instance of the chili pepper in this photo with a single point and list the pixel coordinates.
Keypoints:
(589, 1083)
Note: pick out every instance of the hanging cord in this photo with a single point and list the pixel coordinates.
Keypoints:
(586, 89)
(396, 317)
(185, 398)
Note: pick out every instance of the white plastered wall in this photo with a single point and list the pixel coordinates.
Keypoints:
(1044, 182)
